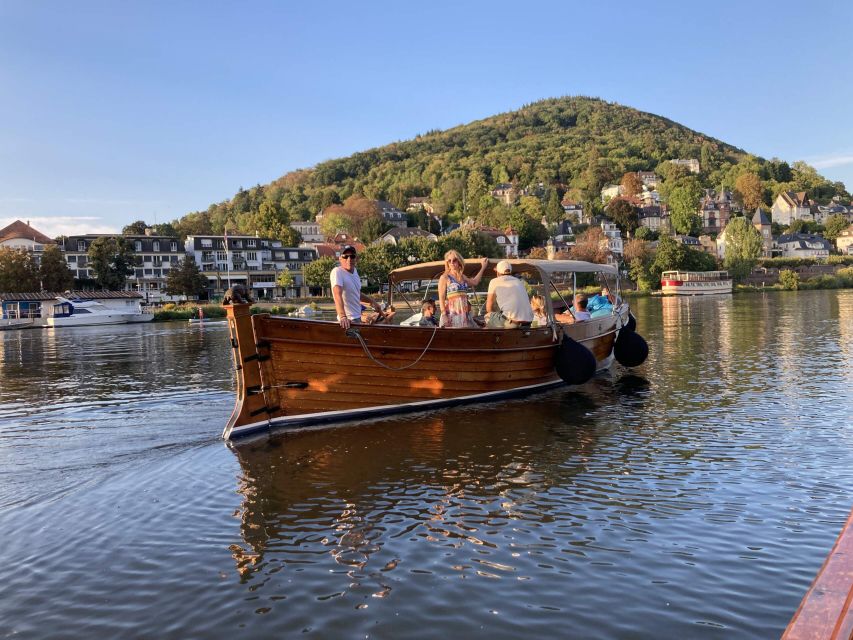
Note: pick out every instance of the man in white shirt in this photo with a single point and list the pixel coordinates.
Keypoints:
(507, 304)
(346, 290)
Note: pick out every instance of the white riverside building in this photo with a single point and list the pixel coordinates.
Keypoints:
(153, 257)
(250, 261)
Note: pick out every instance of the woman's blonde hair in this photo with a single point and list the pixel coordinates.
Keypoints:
(537, 302)
(453, 253)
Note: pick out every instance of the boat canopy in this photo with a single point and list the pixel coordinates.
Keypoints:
(544, 268)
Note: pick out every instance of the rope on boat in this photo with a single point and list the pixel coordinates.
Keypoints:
(354, 333)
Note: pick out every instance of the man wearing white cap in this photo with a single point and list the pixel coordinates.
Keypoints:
(507, 304)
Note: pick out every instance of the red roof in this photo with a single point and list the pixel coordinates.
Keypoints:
(21, 230)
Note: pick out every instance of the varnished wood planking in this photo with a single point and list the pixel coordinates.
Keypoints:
(826, 611)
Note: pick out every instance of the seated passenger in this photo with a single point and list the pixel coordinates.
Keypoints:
(507, 304)
(601, 302)
(576, 313)
(537, 302)
(579, 308)
(428, 318)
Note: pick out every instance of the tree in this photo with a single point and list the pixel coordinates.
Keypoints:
(54, 273)
(476, 189)
(644, 233)
(135, 228)
(790, 280)
(378, 260)
(590, 246)
(631, 184)
(624, 214)
(111, 260)
(683, 204)
(284, 278)
(638, 255)
(18, 272)
(335, 222)
(185, 279)
(554, 212)
(317, 272)
(743, 247)
(672, 254)
(749, 190)
(165, 229)
(835, 224)
(373, 228)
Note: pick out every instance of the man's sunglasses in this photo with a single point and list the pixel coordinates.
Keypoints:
(348, 256)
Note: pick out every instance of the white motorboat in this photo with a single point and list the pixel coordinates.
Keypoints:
(85, 313)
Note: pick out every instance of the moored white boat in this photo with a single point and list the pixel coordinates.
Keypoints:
(695, 283)
(70, 313)
(298, 372)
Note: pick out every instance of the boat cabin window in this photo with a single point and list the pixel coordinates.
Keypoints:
(80, 310)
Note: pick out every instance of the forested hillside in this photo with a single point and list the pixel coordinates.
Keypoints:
(571, 146)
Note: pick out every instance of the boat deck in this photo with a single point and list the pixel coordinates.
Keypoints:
(826, 611)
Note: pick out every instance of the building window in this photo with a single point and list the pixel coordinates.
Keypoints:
(72, 258)
(81, 245)
(156, 245)
(293, 255)
(221, 256)
(137, 246)
(173, 246)
(251, 255)
(251, 243)
(206, 242)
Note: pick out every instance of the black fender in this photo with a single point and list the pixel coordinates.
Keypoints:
(574, 362)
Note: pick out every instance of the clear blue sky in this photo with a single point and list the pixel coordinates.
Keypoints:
(116, 111)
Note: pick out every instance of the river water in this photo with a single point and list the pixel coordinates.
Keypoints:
(694, 497)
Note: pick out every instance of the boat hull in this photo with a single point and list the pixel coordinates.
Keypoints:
(296, 372)
(696, 288)
(88, 321)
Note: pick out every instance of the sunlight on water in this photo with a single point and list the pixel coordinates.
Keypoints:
(694, 497)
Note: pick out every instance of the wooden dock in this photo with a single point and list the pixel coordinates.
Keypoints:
(826, 612)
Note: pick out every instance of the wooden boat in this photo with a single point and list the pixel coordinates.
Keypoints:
(296, 372)
(827, 608)
(695, 283)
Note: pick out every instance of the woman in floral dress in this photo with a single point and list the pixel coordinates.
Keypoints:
(453, 288)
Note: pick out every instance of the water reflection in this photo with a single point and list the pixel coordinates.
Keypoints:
(442, 479)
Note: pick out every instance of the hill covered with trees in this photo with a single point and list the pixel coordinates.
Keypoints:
(562, 147)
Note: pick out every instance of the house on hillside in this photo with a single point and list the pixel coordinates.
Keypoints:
(692, 164)
(790, 206)
(395, 235)
(505, 192)
(822, 212)
(391, 214)
(761, 222)
(802, 245)
(649, 197)
(420, 204)
(649, 179)
(20, 235)
(844, 242)
(613, 241)
(572, 208)
(507, 239)
(652, 217)
(715, 209)
(310, 231)
(610, 191)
